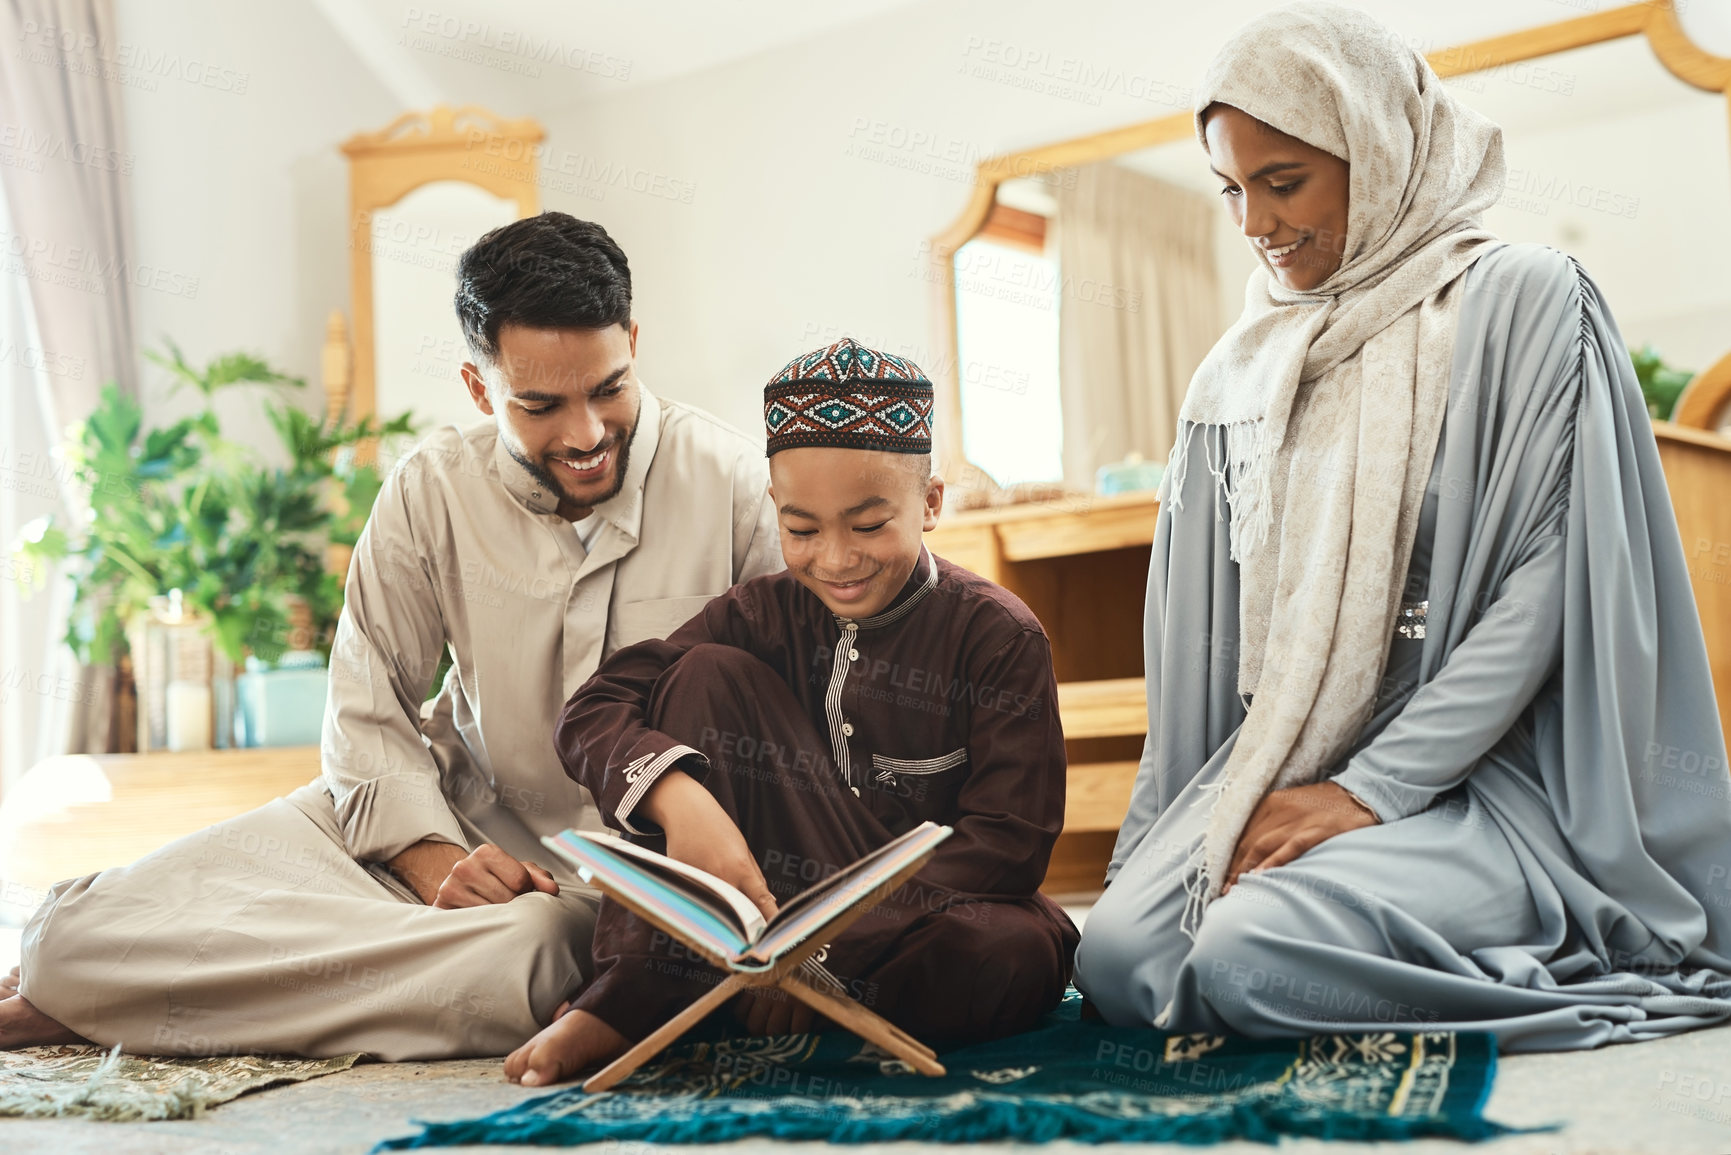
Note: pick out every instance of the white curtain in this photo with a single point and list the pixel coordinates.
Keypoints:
(66, 329)
(1141, 308)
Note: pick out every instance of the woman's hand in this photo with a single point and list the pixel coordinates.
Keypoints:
(701, 834)
(1289, 822)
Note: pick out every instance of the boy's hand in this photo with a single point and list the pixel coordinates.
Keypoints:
(701, 834)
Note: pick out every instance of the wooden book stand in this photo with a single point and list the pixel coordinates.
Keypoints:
(786, 974)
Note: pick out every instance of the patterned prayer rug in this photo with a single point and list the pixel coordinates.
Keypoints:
(107, 1085)
(1066, 1080)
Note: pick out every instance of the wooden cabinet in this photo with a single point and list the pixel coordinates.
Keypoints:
(1697, 468)
(1081, 564)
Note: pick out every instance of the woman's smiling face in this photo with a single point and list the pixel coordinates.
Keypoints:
(1287, 197)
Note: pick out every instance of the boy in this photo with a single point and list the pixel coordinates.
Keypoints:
(803, 719)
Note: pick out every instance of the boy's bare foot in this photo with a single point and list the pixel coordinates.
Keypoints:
(571, 1043)
(22, 1025)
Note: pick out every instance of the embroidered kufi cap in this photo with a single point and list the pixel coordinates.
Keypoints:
(849, 397)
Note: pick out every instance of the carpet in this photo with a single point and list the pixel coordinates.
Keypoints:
(1068, 1079)
(93, 1083)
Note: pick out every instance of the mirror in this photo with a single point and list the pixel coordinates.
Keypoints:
(421, 190)
(1615, 161)
(1008, 297)
(417, 342)
(1087, 279)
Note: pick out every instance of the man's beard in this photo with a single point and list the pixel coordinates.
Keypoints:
(544, 474)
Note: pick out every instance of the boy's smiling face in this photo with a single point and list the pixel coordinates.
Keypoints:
(851, 521)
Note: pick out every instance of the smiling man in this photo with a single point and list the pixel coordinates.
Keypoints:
(401, 904)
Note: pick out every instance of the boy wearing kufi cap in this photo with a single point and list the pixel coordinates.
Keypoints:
(802, 720)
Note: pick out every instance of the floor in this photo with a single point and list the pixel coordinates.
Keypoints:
(1671, 1097)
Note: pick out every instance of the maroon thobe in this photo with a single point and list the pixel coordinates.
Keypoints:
(824, 737)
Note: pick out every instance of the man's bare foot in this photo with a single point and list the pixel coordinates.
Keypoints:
(9, 984)
(573, 1042)
(22, 1025)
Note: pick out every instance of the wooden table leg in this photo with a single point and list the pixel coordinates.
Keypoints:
(670, 1030)
(867, 1025)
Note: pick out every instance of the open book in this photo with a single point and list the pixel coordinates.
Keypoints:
(714, 916)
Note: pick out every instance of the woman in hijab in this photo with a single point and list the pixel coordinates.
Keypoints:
(1432, 736)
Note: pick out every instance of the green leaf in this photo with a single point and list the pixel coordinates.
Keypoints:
(246, 369)
(175, 362)
(113, 425)
(167, 448)
(1661, 384)
(231, 628)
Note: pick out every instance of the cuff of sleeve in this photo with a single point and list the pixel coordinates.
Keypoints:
(642, 774)
(1389, 800)
(382, 817)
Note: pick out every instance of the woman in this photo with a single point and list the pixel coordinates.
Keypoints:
(1422, 652)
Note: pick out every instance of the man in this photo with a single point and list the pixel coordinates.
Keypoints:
(401, 904)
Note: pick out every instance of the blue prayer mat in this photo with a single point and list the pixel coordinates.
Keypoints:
(1065, 1080)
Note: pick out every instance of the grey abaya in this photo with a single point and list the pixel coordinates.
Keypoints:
(1547, 762)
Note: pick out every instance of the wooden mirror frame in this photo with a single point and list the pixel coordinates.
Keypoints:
(1699, 403)
(415, 149)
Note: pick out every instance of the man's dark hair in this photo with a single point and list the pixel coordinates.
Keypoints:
(551, 271)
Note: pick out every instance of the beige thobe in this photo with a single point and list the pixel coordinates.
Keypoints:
(280, 931)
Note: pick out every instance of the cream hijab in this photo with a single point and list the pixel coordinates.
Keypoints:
(1332, 399)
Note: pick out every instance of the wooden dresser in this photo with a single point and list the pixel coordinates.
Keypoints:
(1697, 468)
(1081, 564)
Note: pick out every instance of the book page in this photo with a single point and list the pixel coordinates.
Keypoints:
(791, 908)
(682, 906)
(811, 910)
(741, 910)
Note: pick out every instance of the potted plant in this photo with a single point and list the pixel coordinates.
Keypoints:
(189, 526)
(1661, 385)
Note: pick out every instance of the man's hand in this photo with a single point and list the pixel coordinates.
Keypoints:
(1289, 822)
(490, 875)
(701, 834)
(445, 876)
(425, 865)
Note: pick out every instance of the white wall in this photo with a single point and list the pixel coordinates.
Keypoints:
(779, 201)
(821, 168)
(238, 183)
(1642, 206)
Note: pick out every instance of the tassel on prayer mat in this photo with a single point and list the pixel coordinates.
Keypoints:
(91, 1083)
(1068, 1079)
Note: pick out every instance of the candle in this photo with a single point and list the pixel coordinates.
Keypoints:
(188, 716)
